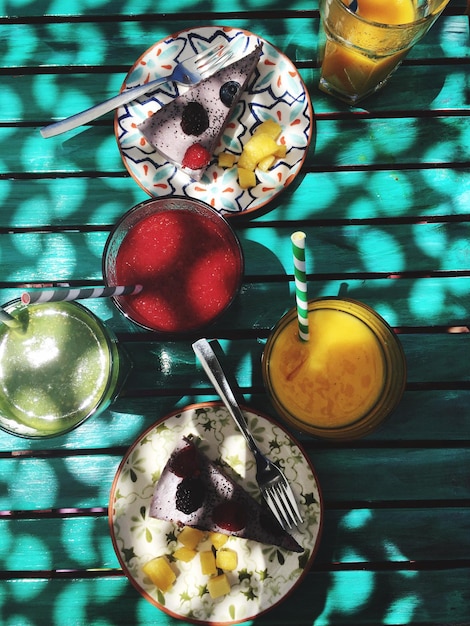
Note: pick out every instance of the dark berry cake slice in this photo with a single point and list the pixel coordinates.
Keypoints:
(187, 130)
(194, 491)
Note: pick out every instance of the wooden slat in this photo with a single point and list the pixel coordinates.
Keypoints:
(64, 11)
(381, 249)
(392, 535)
(59, 45)
(411, 423)
(445, 361)
(84, 480)
(403, 595)
(420, 302)
(400, 597)
(425, 141)
(322, 197)
(51, 97)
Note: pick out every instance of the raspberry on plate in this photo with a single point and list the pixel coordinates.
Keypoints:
(196, 157)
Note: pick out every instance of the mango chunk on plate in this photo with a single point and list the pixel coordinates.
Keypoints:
(226, 160)
(208, 566)
(218, 539)
(266, 164)
(226, 559)
(190, 537)
(256, 148)
(160, 573)
(269, 127)
(218, 586)
(246, 178)
(184, 554)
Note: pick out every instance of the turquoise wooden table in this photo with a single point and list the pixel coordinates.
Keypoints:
(384, 197)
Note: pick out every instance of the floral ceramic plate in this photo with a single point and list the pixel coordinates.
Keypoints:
(265, 574)
(276, 91)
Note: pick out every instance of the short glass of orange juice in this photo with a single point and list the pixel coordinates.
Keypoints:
(362, 42)
(345, 380)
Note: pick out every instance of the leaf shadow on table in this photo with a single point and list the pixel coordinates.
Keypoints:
(252, 310)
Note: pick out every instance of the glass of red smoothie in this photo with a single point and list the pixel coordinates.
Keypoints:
(185, 255)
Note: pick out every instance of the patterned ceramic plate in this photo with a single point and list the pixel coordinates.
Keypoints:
(276, 92)
(265, 574)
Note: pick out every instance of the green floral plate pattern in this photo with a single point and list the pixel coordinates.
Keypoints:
(265, 574)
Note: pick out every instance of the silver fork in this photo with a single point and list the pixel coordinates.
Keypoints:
(188, 72)
(272, 482)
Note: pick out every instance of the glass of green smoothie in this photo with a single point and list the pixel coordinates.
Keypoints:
(58, 366)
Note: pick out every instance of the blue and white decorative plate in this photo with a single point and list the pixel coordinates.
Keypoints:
(265, 575)
(277, 92)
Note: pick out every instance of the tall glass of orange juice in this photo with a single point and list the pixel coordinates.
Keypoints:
(362, 42)
(342, 382)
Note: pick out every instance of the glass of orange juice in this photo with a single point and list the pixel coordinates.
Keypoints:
(342, 382)
(361, 42)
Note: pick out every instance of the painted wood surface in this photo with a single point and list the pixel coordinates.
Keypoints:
(384, 198)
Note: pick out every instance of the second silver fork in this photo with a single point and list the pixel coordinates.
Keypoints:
(188, 72)
(272, 482)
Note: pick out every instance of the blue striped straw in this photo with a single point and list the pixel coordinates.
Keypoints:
(67, 294)
(300, 276)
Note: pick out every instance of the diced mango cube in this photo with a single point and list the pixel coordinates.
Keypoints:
(226, 559)
(190, 537)
(218, 586)
(281, 151)
(226, 159)
(256, 148)
(184, 554)
(160, 573)
(208, 567)
(246, 178)
(218, 539)
(266, 164)
(269, 127)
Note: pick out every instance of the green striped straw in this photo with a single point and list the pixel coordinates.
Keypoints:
(8, 320)
(300, 276)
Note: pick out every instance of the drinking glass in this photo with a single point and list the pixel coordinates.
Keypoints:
(342, 382)
(185, 255)
(59, 365)
(362, 42)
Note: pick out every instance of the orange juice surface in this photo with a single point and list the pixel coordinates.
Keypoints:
(356, 68)
(333, 379)
(386, 11)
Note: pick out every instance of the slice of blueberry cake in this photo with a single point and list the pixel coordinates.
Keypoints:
(187, 130)
(194, 491)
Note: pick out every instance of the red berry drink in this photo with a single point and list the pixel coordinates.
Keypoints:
(186, 257)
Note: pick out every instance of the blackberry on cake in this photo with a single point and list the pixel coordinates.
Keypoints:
(194, 119)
